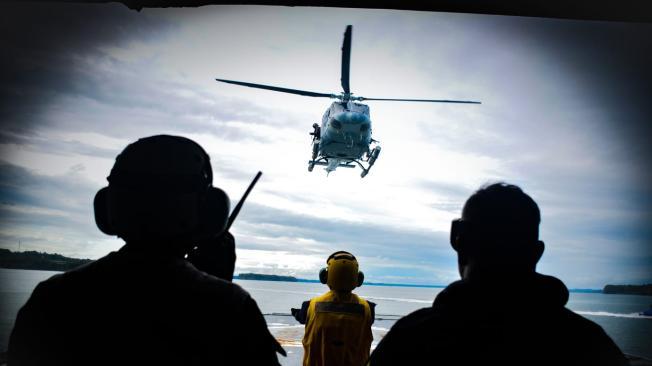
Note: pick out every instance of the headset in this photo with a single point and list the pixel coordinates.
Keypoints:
(161, 187)
(337, 256)
(458, 227)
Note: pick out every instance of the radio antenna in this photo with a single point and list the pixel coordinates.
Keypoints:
(237, 208)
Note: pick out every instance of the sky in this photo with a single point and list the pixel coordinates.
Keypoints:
(565, 115)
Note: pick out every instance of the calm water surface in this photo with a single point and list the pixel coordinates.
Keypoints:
(617, 314)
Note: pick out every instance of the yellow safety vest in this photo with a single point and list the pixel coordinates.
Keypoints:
(338, 331)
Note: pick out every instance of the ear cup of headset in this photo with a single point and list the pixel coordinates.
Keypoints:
(213, 212)
(323, 275)
(100, 206)
(456, 228)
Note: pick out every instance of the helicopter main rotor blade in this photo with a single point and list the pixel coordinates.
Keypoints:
(420, 100)
(279, 89)
(346, 59)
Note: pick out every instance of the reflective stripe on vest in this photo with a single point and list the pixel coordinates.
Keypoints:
(339, 307)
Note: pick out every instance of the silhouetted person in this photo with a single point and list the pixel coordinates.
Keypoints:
(502, 312)
(145, 304)
(338, 323)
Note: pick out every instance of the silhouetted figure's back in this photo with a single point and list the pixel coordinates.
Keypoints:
(130, 308)
(145, 304)
(501, 312)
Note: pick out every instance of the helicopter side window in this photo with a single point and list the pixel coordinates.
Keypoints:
(364, 127)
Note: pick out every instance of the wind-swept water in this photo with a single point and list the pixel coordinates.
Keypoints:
(617, 314)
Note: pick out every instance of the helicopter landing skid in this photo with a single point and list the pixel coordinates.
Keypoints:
(347, 164)
(323, 163)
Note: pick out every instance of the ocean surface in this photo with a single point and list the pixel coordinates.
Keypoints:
(617, 314)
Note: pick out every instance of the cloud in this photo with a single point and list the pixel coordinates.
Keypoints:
(564, 115)
(40, 48)
(49, 213)
(69, 192)
(367, 238)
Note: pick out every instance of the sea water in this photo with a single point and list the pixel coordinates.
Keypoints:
(617, 314)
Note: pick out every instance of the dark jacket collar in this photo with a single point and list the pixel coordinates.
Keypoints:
(516, 293)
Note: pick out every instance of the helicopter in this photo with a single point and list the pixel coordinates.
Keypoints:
(344, 137)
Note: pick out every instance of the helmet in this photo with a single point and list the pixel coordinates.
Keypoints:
(342, 273)
(160, 188)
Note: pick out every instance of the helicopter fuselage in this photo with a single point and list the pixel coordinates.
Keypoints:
(345, 131)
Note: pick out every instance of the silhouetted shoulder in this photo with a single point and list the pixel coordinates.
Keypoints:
(160, 310)
(416, 319)
(402, 342)
(473, 324)
(591, 339)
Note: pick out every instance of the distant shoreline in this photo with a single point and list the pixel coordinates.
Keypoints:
(645, 290)
(41, 261)
(263, 277)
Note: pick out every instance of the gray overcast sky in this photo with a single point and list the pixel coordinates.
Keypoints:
(565, 115)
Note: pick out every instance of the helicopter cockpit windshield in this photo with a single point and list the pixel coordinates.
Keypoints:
(350, 118)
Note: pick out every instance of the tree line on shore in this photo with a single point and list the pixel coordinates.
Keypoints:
(56, 262)
(38, 261)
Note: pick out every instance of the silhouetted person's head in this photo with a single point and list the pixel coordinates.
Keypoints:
(160, 195)
(498, 233)
(342, 273)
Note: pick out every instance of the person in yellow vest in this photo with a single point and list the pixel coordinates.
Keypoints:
(338, 323)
